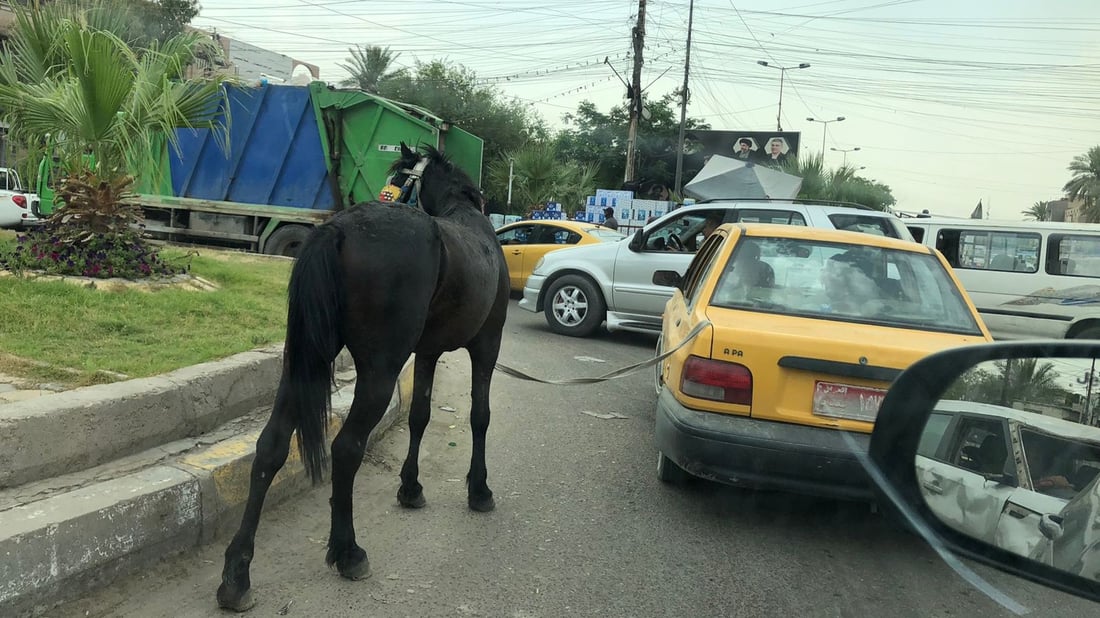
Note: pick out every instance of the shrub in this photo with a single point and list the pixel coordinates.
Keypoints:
(122, 254)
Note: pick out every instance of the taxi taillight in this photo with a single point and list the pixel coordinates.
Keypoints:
(715, 380)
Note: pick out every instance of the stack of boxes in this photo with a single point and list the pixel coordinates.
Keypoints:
(551, 211)
(631, 213)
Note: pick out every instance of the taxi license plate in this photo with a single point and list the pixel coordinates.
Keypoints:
(857, 403)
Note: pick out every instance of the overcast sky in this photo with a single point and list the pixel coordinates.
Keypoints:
(949, 102)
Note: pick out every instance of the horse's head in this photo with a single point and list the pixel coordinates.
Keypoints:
(431, 181)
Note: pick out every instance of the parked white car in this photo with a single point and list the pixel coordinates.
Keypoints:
(581, 287)
(18, 208)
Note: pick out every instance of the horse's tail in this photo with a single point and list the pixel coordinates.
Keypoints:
(316, 302)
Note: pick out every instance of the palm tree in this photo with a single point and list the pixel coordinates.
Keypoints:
(70, 84)
(369, 68)
(1039, 211)
(1024, 378)
(540, 176)
(1085, 184)
(841, 184)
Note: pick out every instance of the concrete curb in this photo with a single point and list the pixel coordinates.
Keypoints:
(56, 549)
(74, 430)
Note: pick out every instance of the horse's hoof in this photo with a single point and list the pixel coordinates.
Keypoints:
(234, 600)
(412, 502)
(353, 566)
(482, 504)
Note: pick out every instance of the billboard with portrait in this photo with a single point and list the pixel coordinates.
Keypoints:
(770, 148)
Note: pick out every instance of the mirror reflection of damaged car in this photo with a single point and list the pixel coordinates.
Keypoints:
(992, 451)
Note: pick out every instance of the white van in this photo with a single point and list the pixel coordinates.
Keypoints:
(1028, 279)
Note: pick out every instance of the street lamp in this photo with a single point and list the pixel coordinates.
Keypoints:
(845, 151)
(824, 130)
(782, 73)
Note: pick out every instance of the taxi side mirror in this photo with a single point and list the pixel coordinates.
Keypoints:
(637, 241)
(995, 383)
(667, 278)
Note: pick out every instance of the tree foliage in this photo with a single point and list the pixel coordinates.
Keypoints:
(1027, 379)
(841, 184)
(453, 93)
(1039, 211)
(138, 22)
(601, 139)
(1085, 183)
(539, 175)
(70, 83)
(370, 67)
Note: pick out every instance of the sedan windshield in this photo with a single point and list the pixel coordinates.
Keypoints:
(847, 282)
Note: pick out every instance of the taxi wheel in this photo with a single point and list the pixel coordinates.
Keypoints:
(574, 306)
(669, 472)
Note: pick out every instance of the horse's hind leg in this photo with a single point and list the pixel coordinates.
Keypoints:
(373, 389)
(272, 449)
(411, 493)
(483, 357)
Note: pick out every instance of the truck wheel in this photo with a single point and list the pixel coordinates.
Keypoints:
(574, 306)
(287, 240)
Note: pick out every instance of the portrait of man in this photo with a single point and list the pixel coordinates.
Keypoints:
(776, 153)
(745, 149)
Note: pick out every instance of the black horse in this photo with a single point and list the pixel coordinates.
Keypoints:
(386, 281)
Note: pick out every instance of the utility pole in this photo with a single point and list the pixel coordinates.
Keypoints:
(635, 92)
(684, 104)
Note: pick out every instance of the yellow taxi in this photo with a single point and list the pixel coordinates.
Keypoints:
(800, 333)
(525, 242)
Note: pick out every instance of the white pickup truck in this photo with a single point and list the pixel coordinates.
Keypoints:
(18, 207)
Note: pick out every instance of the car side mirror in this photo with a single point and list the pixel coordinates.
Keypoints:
(1026, 401)
(668, 278)
(637, 242)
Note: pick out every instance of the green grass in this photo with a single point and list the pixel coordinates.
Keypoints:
(53, 328)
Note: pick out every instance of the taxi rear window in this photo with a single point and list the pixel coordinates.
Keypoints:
(847, 282)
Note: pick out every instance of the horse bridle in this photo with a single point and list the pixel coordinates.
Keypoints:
(412, 181)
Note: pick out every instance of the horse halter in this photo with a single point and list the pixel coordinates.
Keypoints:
(391, 193)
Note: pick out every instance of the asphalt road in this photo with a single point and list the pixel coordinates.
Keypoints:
(582, 526)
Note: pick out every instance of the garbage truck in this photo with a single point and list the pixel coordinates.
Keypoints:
(295, 156)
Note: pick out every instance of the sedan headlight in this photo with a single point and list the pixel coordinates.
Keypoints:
(538, 265)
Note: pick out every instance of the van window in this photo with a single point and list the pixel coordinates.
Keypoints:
(917, 232)
(1076, 256)
(990, 250)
